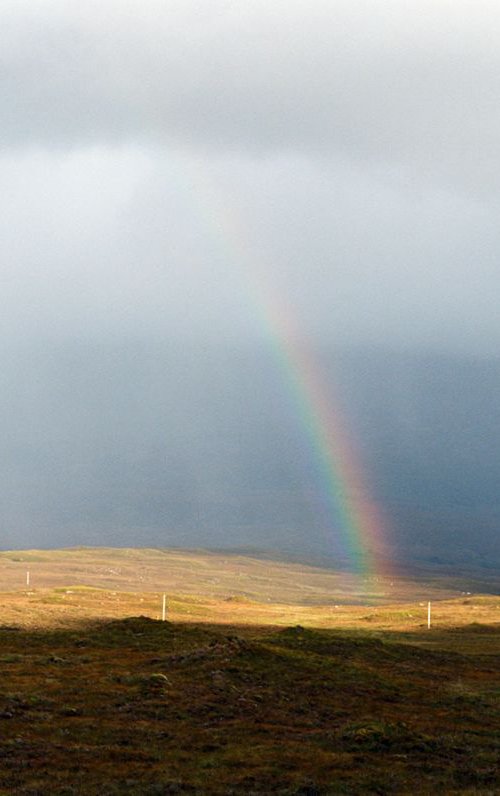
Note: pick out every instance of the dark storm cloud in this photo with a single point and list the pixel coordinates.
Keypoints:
(176, 178)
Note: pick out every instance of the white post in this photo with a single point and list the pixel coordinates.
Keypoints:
(164, 607)
(28, 578)
(428, 615)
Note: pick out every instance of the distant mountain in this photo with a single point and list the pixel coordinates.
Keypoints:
(168, 444)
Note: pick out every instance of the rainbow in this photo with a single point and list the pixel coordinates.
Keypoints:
(352, 515)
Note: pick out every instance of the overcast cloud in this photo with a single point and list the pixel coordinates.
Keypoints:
(154, 153)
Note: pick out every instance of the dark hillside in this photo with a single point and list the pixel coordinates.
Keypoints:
(170, 708)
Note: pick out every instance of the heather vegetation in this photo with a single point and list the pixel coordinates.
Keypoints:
(229, 696)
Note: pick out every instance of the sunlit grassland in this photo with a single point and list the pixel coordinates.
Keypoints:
(237, 693)
(65, 605)
(223, 575)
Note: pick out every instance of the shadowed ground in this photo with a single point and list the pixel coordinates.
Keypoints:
(235, 694)
(147, 707)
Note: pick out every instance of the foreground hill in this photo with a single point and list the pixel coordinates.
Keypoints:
(269, 677)
(139, 706)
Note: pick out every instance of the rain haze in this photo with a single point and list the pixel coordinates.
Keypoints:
(177, 178)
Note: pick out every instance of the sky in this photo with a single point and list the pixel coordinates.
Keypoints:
(190, 191)
(169, 166)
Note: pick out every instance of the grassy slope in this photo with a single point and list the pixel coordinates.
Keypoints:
(202, 573)
(232, 696)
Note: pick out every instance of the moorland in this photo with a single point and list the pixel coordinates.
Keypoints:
(266, 677)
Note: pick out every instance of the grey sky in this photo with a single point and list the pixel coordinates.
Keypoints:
(351, 147)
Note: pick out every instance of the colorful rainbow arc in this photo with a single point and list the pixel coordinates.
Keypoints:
(352, 514)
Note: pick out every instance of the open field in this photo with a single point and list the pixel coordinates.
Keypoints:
(236, 694)
(204, 573)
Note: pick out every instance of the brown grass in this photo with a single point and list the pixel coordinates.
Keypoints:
(202, 573)
(238, 696)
